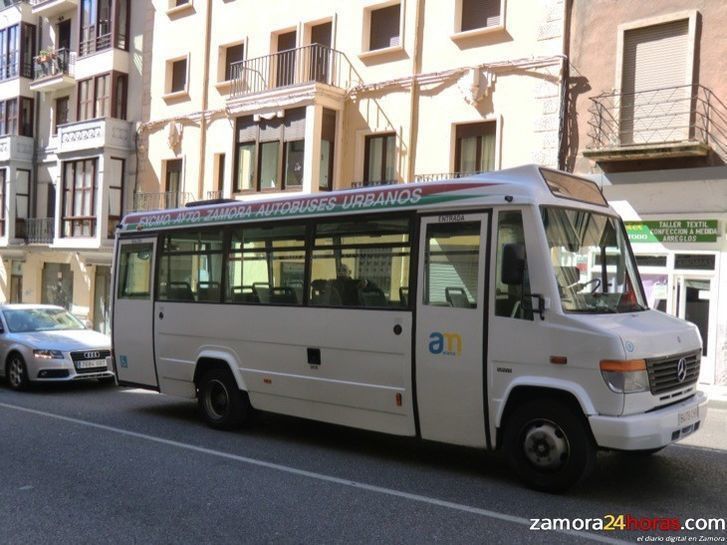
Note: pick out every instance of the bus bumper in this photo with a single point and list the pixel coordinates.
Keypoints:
(650, 430)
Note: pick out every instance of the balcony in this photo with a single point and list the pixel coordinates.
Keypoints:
(54, 71)
(95, 134)
(39, 230)
(681, 121)
(52, 8)
(309, 65)
(14, 147)
(147, 202)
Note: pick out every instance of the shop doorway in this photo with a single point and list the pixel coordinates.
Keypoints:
(101, 300)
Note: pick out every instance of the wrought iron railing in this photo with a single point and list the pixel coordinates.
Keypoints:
(144, 202)
(436, 177)
(360, 184)
(312, 63)
(53, 63)
(39, 230)
(684, 113)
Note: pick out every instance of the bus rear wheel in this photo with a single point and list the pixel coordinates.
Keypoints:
(222, 404)
(549, 445)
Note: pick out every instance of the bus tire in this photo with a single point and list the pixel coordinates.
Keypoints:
(222, 404)
(549, 445)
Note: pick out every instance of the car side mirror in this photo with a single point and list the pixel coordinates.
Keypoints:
(88, 324)
(513, 264)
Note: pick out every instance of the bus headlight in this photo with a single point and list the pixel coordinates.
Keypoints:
(625, 376)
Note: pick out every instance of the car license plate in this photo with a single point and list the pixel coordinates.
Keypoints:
(88, 364)
(689, 416)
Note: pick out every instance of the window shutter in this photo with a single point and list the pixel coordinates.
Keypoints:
(294, 124)
(246, 129)
(385, 27)
(480, 14)
(655, 102)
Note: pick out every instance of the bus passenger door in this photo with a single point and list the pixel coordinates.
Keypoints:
(450, 324)
(133, 313)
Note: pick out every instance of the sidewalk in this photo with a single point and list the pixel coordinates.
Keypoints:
(715, 393)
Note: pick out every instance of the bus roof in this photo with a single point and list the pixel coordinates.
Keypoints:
(524, 184)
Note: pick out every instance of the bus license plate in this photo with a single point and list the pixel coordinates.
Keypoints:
(689, 416)
(88, 364)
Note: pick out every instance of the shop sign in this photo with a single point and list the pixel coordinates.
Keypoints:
(673, 231)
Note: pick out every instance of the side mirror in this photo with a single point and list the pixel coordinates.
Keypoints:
(513, 264)
(88, 324)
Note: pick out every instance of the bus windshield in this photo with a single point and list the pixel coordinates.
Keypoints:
(592, 262)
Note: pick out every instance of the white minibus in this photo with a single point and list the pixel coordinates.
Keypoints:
(501, 310)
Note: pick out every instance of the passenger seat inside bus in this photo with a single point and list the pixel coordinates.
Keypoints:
(457, 297)
(179, 291)
(208, 291)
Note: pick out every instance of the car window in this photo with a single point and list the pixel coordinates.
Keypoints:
(40, 319)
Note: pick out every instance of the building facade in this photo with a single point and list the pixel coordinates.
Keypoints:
(647, 119)
(118, 105)
(70, 90)
(308, 97)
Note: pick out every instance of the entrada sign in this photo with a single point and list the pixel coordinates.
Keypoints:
(673, 231)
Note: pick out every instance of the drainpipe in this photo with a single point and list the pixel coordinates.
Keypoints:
(33, 211)
(205, 96)
(564, 82)
(416, 69)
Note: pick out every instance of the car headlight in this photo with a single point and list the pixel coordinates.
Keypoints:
(625, 376)
(48, 354)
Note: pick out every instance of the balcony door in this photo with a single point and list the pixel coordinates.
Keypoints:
(320, 52)
(64, 34)
(286, 59)
(656, 90)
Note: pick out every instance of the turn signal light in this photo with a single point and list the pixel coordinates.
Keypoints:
(623, 365)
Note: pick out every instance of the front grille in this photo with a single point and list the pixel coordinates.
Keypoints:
(663, 372)
(90, 355)
(86, 355)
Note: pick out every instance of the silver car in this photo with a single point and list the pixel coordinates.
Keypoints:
(46, 343)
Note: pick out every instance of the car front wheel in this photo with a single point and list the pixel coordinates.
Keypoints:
(16, 372)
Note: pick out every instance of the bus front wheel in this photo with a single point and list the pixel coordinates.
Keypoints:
(549, 445)
(222, 404)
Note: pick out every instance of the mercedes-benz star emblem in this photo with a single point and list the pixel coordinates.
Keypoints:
(682, 369)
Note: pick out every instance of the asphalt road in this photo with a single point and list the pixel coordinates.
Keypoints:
(86, 463)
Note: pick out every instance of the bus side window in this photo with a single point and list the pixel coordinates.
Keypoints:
(452, 265)
(361, 263)
(266, 264)
(511, 301)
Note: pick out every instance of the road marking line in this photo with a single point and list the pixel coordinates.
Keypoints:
(318, 476)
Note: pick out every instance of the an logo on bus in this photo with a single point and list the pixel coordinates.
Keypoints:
(446, 344)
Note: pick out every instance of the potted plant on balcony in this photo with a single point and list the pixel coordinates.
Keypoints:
(46, 55)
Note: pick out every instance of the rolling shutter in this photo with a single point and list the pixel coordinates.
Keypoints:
(655, 102)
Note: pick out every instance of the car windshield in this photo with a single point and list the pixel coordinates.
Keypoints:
(592, 262)
(40, 319)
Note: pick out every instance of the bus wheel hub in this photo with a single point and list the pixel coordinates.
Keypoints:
(545, 445)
